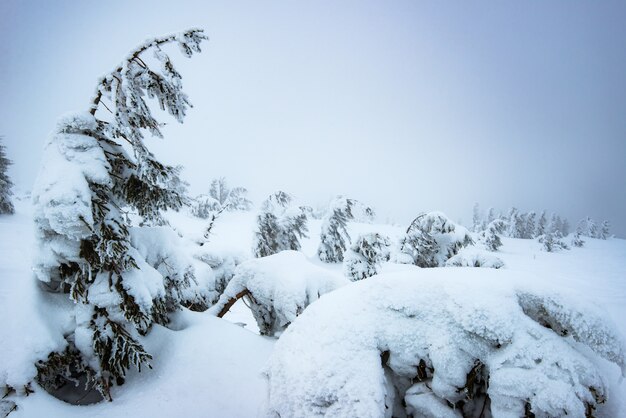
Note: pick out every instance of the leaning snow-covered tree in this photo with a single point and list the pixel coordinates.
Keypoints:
(96, 169)
(365, 255)
(334, 236)
(431, 240)
(277, 289)
(280, 225)
(6, 206)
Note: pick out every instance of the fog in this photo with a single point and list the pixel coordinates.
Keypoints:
(408, 106)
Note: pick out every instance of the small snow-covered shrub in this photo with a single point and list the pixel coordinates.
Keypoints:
(365, 255)
(423, 343)
(474, 257)
(577, 240)
(430, 240)
(552, 242)
(278, 288)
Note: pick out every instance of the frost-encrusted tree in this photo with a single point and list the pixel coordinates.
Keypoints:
(605, 230)
(365, 255)
(530, 225)
(556, 224)
(96, 168)
(6, 206)
(516, 224)
(491, 215)
(541, 225)
(280, 226)
(203, 206)
(592, 228)
(552, 241)
(490, 237)
(229, 199)
(477, 219)
(334, 237)
(565, 227)
(430, 240)
(577, 240)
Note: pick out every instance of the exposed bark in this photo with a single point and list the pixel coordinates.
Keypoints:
(232, 301)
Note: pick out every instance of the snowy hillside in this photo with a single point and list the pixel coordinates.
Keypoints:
(208, 367)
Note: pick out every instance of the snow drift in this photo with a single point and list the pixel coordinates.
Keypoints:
(443, 343)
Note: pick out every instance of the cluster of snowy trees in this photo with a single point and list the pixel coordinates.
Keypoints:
(550, 233)
(6, 206)
(525, 225)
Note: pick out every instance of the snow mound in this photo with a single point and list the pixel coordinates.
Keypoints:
(424, 343)
(278, 288)
(474, 257)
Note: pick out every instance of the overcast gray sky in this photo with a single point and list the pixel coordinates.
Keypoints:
(407, 105)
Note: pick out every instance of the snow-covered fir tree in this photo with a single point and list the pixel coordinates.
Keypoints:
(592, 228)
(430, 240)
(577, 240)
(491, 215)
(477, 219)
(365, 255)
(490, 237)
(280, 226)
(552, 241)
(229, 199)
(556, 225)
(203, 206)
(516, 224)
(605, 229)
(334, 237)
(97, 168)
(6, 206)
(565, 227)
(530, 225)
(542, 224)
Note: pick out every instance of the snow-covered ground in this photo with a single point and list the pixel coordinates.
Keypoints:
(209, 367)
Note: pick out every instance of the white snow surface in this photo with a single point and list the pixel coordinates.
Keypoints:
(211, 368)
(328, 362)
(474, 256)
